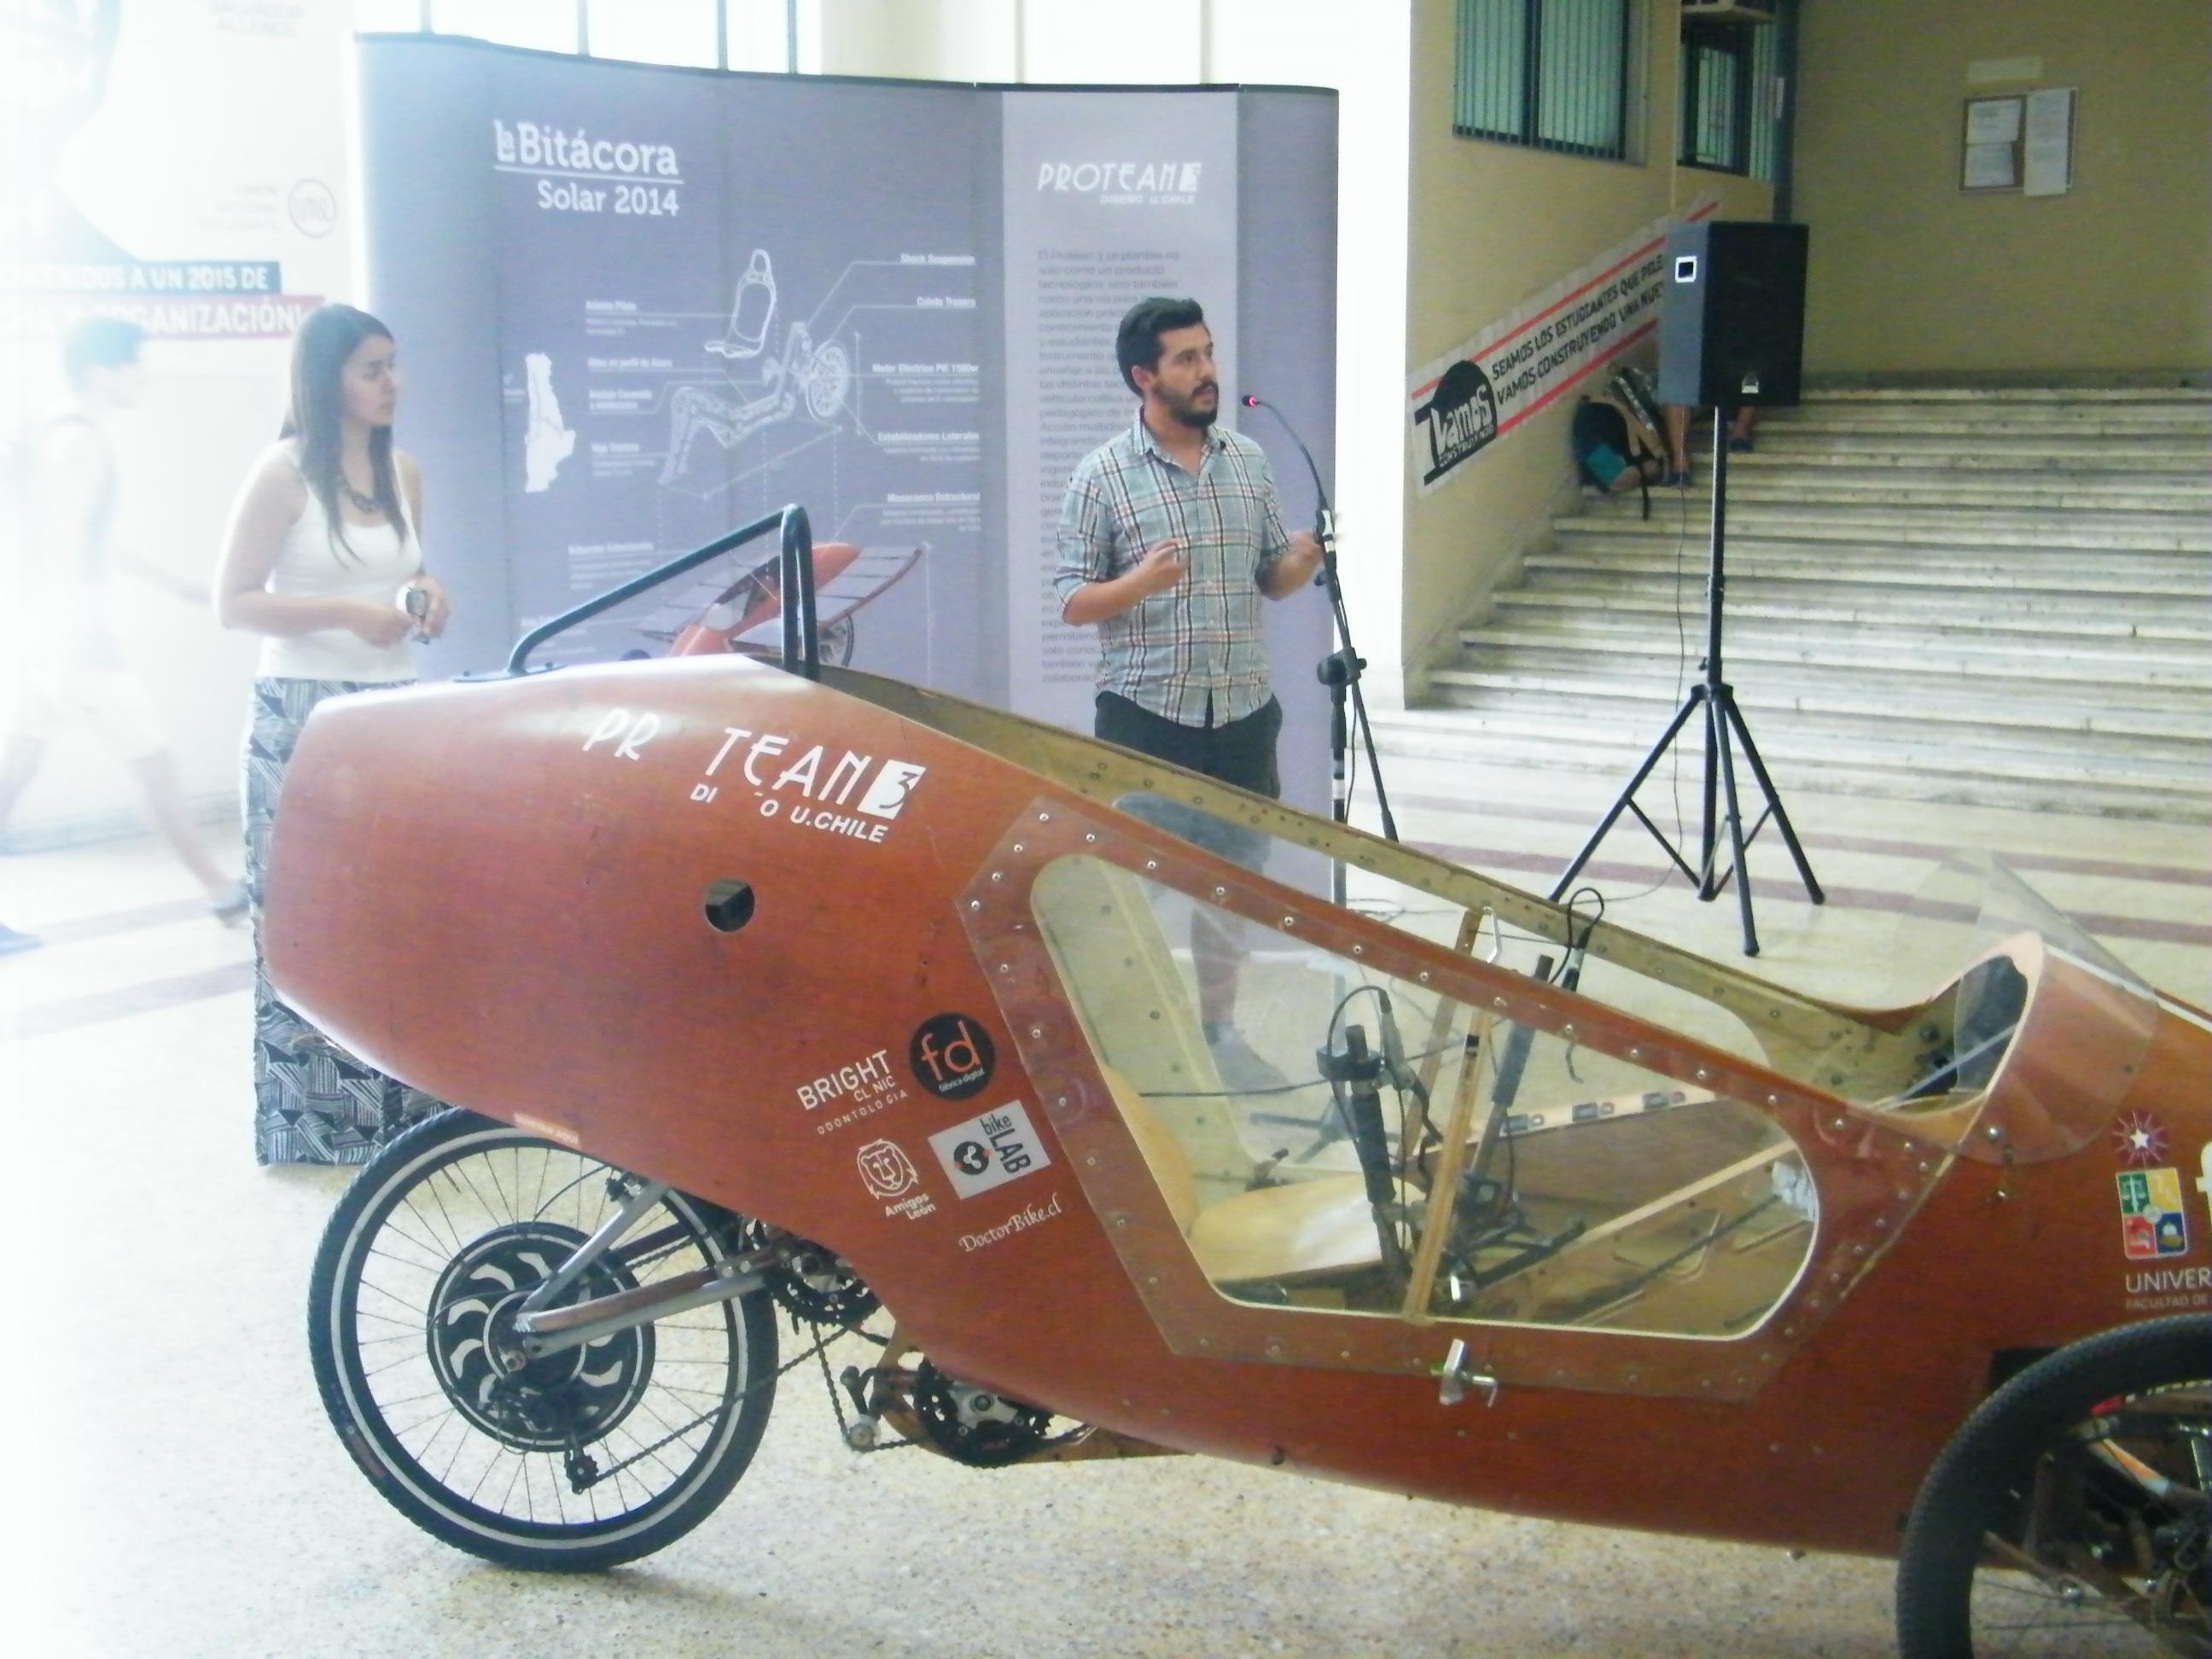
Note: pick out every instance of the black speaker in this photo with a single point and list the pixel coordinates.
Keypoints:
(1732, 313)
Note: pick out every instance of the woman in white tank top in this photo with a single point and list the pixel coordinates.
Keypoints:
(324, 559)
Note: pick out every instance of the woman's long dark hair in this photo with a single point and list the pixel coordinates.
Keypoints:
(329, 336)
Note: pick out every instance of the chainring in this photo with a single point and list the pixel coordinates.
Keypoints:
(970, 1426)
(819, 1286)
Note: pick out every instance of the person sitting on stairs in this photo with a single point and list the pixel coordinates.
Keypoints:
(1742, 427)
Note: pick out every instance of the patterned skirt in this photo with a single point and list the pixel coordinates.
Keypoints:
(312, 1102)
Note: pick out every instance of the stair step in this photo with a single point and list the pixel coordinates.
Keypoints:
(1747, 594)
(2189, 450)
(1792, 756)
(2162, 627)
(1790, 752)
(2130, 464)
(2136, 674)
(1861, 566)
(1849, 547)
(1917, 765)
(2188, 396)
(1912, 526)
(1811, 489)
(2182, 736)
(1998, 425)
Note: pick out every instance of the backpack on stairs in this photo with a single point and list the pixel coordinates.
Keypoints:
(1608, 441)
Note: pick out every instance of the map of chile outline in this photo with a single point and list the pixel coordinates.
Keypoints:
(546, 442)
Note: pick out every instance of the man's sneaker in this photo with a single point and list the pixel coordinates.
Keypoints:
(228, 907)
(1243, 1070)
(1676, 481)
(1741, 445)
(11, 941)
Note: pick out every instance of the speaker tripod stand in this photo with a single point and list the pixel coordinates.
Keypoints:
(1714, 699)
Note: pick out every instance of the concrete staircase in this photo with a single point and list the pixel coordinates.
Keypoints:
(1998, 597)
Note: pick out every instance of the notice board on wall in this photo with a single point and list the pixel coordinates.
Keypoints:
(640, 306)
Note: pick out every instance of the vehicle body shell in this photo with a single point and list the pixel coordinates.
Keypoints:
(495, 891)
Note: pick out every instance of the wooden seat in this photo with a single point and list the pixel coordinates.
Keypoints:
(1278, 1234)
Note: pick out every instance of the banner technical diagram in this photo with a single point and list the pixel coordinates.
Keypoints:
(817, 377)
(691, 300)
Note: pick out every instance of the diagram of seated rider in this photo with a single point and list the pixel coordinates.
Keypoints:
(817, 377)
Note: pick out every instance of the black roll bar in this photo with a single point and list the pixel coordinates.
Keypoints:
(802, 648)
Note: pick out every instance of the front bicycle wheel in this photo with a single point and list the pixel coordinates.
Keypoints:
(584, 1458)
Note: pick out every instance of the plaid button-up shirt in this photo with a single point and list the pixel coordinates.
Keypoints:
(1195, 648)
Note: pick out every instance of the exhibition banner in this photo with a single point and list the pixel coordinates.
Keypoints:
(182, 166)
(1463, 401)
(143, 191)
(1097, 218)
(642, 306)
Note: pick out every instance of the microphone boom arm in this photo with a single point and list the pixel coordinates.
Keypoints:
(1340, 670)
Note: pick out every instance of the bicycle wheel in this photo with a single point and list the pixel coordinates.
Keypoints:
(2068, 1515)
(584, 1458)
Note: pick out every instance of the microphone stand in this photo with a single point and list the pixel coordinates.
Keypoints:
(1340, 670)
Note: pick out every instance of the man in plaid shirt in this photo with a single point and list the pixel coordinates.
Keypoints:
(1170, 537)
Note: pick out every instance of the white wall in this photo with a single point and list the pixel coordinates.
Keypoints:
(1912, 274)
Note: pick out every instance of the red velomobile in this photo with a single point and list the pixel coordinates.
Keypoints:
(794, 996)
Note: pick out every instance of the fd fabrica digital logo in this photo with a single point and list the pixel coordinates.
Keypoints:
(952, 1056)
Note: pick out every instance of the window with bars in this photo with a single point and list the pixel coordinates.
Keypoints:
(1549, 74)
(1733, 89)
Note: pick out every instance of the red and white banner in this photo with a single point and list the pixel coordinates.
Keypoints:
(1460, 403)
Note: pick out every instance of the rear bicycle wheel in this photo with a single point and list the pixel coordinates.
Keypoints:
(2068, 1517)
(583, 1459)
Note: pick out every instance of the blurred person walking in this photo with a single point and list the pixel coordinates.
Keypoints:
(323, 558)
(76, 674)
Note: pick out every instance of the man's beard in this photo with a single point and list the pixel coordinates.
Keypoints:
(1191, 415)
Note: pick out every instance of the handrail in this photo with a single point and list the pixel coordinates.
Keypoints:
(795, 560)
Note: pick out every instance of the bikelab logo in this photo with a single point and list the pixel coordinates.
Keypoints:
(1123, 183)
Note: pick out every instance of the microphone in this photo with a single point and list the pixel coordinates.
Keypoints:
(1325, 515)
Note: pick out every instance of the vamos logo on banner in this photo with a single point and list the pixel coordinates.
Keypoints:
(1123, 183)
(1459, 403)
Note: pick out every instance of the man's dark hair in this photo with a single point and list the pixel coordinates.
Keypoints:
(99, 342)
(1138, 345)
